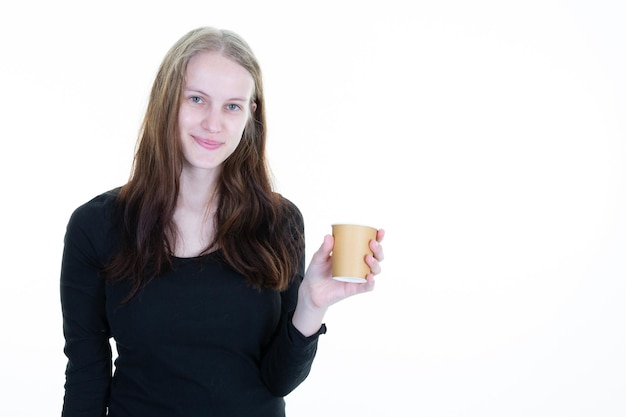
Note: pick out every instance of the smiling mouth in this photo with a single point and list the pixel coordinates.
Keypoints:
(207, 143)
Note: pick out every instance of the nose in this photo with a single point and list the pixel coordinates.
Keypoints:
(211, 120)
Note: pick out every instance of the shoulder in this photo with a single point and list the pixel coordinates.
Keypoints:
(97, 209)
(289, 205)
(91, 225)
(292, 213)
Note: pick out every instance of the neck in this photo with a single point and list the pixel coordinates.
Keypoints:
(194, 213)
(197, 190)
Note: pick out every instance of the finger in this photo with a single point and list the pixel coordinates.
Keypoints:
(380, 235)
(369, 285)
(323, 253)
(358, 288)
(377, 249)
(374, 264)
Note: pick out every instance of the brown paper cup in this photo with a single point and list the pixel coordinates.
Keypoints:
(351, 247)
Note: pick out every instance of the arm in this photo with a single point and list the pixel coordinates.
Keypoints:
(291, 355)
(85, 327)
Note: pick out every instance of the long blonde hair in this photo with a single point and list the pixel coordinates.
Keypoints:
(258, 233)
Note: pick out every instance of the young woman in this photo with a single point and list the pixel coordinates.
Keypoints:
(195, 266)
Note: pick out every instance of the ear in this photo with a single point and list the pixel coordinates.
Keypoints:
(253, 107)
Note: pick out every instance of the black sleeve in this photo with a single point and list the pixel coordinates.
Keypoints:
(290, 356)
(288, 361)
(87, 347)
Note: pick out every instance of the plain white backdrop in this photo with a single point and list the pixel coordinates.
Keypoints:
(487, 137)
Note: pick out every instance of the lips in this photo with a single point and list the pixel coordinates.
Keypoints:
(207, 143)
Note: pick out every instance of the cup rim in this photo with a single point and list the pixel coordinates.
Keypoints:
(354, 224)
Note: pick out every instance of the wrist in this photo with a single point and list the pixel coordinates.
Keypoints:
(307, 319)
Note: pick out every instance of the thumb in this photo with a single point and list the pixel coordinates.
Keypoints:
(323, 253)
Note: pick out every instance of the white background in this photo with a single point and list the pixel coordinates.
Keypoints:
(486, 137)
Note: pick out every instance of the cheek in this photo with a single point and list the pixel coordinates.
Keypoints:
(237, 127)
(185, 118)
(249, 123)
(182, 122)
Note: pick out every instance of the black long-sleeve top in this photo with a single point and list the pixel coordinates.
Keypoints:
(197, 341)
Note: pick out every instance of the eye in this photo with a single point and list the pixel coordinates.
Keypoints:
(195, 99)
(233, 107)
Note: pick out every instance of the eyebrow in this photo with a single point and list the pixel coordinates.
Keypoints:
(195, 90)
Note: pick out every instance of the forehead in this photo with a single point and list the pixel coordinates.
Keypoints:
(213, 71)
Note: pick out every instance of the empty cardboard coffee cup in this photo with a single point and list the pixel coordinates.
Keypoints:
(351, 248)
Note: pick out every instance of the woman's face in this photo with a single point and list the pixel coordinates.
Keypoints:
(214, 110)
